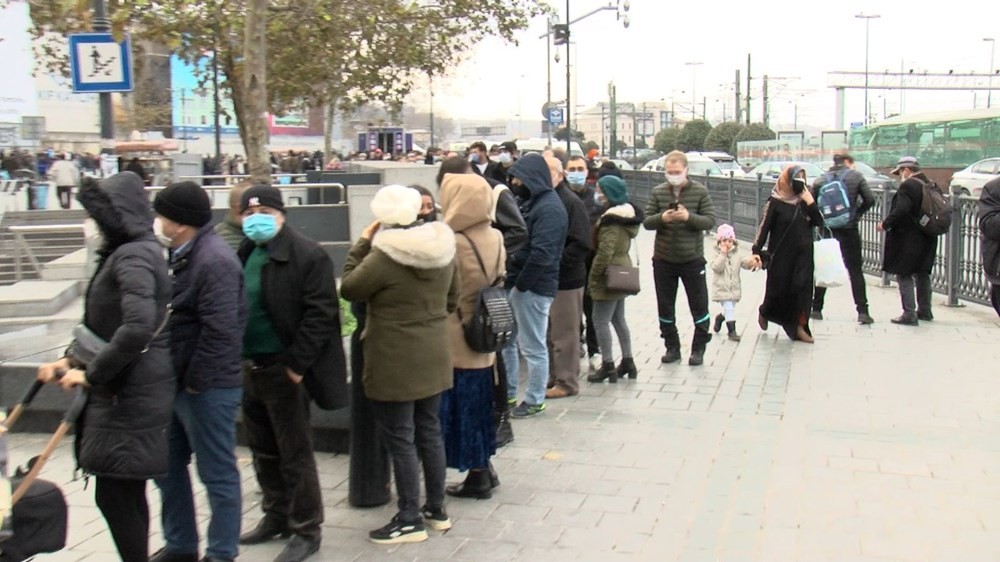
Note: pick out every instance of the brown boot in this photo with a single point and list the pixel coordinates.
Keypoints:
(803, 336)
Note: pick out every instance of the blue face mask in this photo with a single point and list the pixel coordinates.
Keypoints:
(576, 178)
(474, 158)
(260, 227)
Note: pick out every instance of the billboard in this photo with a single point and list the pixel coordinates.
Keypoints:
(299, 123)
(192, 103)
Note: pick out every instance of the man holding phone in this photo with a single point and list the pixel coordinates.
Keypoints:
(680, 211)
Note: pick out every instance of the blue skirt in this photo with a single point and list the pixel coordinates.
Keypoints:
(467, 419)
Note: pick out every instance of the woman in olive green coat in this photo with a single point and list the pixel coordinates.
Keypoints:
(614, 233)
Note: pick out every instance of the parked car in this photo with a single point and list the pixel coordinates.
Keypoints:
(623, 165)
(875, 179)
(697, 166)
(971, 180)
(771, 170)
(727, 162)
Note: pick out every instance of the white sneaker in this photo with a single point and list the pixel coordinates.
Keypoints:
(595, 362)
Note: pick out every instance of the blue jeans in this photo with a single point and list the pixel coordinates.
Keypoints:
(204, 424)
(531, 312)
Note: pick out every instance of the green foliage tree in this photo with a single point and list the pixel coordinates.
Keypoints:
(640, 143)
(753, 132)
(666, 139)
(722, 137)
(561, 132)
(693, 135)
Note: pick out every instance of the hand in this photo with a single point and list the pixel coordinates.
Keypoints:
(807, 197)
(292, 375)
(880, 227)
(725, 250)
(47, 372)
(73, 377)
(756, 263)
(369, 232)
(668, 216)
(681, 214)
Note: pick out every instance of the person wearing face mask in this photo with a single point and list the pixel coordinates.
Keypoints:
(480, 160)
(209, 312)
(292, 351)
(680, 211)
(909, 252)
(428, 206)
(506, 157)
(786, 228)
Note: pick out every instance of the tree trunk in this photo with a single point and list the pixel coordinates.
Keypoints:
(331, 111)
(255, 94)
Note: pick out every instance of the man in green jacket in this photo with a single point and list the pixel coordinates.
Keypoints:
(680, 211)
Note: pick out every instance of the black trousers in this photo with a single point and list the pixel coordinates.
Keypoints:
(850, 247)
(995, 298)
(667, 276)
(65, 195)
(593, 348)
(276, 418)
(123, 504)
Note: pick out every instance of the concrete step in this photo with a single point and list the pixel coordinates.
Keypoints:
(71, 267)
(37, 298)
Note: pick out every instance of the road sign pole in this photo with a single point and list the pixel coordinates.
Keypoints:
(103, 25)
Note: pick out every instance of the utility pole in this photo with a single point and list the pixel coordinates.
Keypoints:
(993, 51)
(103, 25)
(569, 103)
(868, 19)
(748, 89)
(217, 109)
(430, 76)
(766, 114)
(704, 108)
(635, 128)
(738, 106)
(548, 71)
(644, 141)
(613, 133)
(604, 129)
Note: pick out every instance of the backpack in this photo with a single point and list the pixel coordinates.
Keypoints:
(935, 213)
(833, 202)
(492, 323)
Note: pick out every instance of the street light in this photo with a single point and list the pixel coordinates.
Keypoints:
(694, 79)
(993, 52)
(868, 19)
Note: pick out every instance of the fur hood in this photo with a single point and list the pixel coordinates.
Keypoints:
(428, 246)
(120, 207)
(625, 214)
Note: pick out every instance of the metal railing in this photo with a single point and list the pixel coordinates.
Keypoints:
(340, 195)
(22, 247)
(958, 266)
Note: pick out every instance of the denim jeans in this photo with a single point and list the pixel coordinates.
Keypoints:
(205, 425)
(531, 312)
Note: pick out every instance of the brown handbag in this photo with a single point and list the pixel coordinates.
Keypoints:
(624, 278)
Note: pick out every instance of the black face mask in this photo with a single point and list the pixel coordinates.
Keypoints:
(798, 186)
(429, 217)
(521, 191)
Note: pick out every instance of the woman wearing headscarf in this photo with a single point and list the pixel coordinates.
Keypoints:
(404, 270)
(786, 227)
(467, 409)
(122, 353)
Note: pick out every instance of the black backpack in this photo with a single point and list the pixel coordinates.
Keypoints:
(492, 323)
(935, 213)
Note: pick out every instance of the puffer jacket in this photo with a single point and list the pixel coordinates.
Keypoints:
(989, 229)
(124, 428)
(535, 267)
(615, 231)
(726, 284)
(680, 242)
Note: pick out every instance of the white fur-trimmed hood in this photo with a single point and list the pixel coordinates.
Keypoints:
(625, 211)
(428, 246)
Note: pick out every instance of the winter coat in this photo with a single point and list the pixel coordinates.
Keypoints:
(64, 173)
(209, 314)
(726, 285)
(465, 205)
(408, 278)
(123, 430)
(506, 217)
(907, 249)
(614, 234)
(300, 295)
(587, 193)
(676, 242)
(579, 241)
(989, 229)
(231, 233)
(858, 192)
(490, 172)
(535, 267)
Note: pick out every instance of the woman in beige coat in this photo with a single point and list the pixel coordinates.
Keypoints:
(467, 409)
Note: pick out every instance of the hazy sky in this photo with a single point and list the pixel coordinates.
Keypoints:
(801, 39)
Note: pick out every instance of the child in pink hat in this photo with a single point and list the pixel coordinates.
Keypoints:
(726, 287)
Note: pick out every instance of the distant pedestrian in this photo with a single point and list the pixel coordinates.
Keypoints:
(576, 179)
(989, 228)
(909, 252)
(230, 228)
(786, 227)
(66, 175)
(726, 283)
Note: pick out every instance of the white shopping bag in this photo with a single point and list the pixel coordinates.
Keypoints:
(830, 270)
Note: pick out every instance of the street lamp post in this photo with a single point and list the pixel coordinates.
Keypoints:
(868, 19)
(103, 25)
(993, 52)
(694, 79)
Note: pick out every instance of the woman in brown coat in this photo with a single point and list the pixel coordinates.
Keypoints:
(467, 409)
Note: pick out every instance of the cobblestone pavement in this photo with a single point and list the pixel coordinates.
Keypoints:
(877, 443)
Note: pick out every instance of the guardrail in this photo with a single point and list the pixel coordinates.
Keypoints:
(292, 199)
(21, 245)
(958, 266)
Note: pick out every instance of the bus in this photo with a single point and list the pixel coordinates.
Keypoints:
(948, 140)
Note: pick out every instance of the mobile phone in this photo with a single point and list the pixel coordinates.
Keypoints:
(672, 206)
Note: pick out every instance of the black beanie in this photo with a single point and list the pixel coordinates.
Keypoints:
(262, 196)
(184, 203)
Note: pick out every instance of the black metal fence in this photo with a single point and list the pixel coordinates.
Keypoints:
(958, 267)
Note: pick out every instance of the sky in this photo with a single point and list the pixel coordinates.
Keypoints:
(794, 39)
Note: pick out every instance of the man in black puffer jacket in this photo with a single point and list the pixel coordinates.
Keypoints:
(206, 329)
(989, 228)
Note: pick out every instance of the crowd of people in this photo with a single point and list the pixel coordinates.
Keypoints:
(187, 324)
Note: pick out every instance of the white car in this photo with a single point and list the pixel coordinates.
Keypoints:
(971, 180)
(727, 162)
(697, 166)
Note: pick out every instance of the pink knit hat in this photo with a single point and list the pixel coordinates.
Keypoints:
(725, 232)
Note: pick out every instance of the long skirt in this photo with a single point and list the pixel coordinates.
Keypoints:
(467, 424)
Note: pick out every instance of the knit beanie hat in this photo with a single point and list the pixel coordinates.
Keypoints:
(262, 196)
(184, 203)
(614, 189)
(725, 232)
(396, 205)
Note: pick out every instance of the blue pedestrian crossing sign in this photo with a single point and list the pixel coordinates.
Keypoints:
(100, 63)
(556, 117)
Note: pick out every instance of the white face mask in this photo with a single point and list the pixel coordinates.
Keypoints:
(676, 180)
(165, 240)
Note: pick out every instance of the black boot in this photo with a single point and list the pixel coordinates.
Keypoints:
(627, 369)
(673, 355)
(505, 433)
(476, 485)
(718, 323)
(494, 477)
(731, 326)
(608, 372)
(269, 528)
(697, 357)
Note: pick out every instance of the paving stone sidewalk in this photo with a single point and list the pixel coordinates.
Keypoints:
(877, 443)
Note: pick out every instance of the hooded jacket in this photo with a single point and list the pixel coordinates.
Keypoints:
(858, 192)
(535, 267)
(465, 204)
(989, 229)
(614, 234)
(579, 241)
(678, 242)
(408, 279)
(123, 430)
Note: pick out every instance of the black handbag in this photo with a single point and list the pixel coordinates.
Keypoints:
(87, 345)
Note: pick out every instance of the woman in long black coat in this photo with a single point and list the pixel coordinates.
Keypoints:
(786, 227)
(122, 434)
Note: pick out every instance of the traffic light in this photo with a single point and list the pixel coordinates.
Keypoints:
(560, 32)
